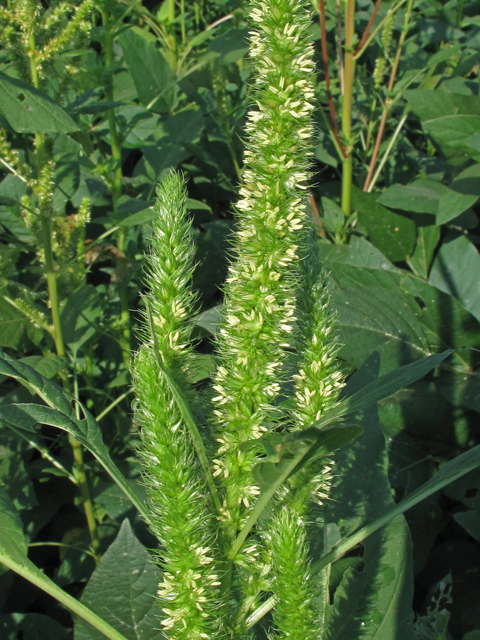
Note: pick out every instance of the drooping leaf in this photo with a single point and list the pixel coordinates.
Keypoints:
(28, 110)
(59, 413)
(122, 591)
(149, 69)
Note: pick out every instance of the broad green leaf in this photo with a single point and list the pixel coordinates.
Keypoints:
(12, 188)
(390, 232)
(421, 258)
(28, 110)
(374, 318)
(402, 316)
(31, 626)
(15, 454)
(79, 316)
(13, 554)
(230, 46)
(209, 320)
(450, 118)
(122, 591)
(428, 196)
(47, 366)
(358, 252)
(149, 69)
(456, 270)
(59, 413)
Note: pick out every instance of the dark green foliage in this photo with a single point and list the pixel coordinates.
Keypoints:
(402, 274)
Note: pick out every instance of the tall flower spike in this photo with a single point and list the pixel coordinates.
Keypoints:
(318, 383)
(181, 517)
(259, 303)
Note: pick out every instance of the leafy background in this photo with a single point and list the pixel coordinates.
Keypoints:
(404, 268)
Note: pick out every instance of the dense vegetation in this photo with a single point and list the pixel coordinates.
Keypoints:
(98, 102)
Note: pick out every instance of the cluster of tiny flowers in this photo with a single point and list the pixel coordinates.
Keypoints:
(259, 305)
(25, 18)
(181, 518)
(294, 614)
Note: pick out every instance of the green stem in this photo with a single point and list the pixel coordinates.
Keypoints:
(347, 108)
(54, 305)
(30, 572)
(182, 10)
(173, 36)
(116, 150)
(81, 477)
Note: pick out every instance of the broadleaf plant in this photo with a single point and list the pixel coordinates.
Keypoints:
(242, 495)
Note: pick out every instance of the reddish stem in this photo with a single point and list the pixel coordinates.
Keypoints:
(369, 26)
(331, 106)
(313, 204)
(384, 118)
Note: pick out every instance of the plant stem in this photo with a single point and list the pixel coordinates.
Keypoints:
(387, 153)
(369, 26)
(388, 100)
(331, 106)
(116, 150)
(347, 108)
(182, 10)
(173, 36)
(81, 477)
(394, 9)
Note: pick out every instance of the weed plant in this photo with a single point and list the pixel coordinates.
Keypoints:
(268, 468)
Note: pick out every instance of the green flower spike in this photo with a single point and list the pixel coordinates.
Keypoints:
(318, 383)
(180, 510)
(259, 301)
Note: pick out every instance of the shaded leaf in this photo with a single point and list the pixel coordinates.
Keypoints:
(128, 604)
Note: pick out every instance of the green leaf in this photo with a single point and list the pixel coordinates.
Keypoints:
(13, 554)
(428, 196)
(13, 324)
(47, 366)
(31, 626)
(79, 316)
(150, 71)
(11, 528)
(375, 602)
(421, 258)
(122, 591)
(358, 252)
(59, 413)
(230, 46)
(28, 110)
(401, 316)
(393, 234)
(456, 270)
(453, 470)
(450, 118)
(470, 521)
